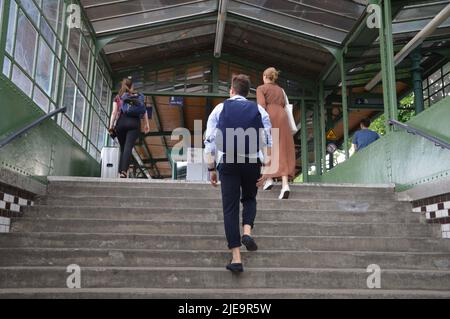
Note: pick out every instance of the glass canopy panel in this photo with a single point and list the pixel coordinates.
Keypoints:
(115, 16)
(308, 17)
(152, 39)
(314, 11)
(415, 17)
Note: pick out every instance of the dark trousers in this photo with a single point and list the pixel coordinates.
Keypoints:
(234, 178)
(128, 130)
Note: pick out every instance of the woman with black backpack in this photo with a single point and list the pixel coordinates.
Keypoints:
(128, 110)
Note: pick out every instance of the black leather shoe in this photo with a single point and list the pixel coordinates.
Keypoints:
(249, 243)
(235, 268)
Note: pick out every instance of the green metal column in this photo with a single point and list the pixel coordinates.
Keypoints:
(215, 75)
(387, 65)
(322, 127)
(304, 143)
(392, 93)
(344, 105)
(416, 70)
(317, 140)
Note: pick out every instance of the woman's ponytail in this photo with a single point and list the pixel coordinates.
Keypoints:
(127, 86)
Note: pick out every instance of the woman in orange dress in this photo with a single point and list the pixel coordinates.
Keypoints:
(271, 97)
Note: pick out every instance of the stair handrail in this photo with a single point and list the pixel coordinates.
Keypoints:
(412, 130)
(30, 126)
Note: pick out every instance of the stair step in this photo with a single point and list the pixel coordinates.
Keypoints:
(219, 294)
(55, 183)
(174, 202)
(217, 242)
(214, 228)
(214, 214)
(214, 193)
(194, 278)
(194, 258)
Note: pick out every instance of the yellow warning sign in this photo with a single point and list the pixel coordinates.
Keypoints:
(331, 135)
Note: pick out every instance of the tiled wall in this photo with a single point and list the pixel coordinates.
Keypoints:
(4, 224)
(436, 210)
(12, 201)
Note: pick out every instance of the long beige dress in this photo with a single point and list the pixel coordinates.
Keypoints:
(271, 97)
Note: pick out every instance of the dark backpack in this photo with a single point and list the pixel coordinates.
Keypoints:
(239, 115)
(133, 105)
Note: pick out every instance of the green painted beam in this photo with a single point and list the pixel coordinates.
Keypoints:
(304, 143)
(317, 139)
(389, 63)
(344, 106)
(212, 95)
(322, 128)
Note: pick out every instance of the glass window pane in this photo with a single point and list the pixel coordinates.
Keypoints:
(447, 79)
(84, 58)
(71, 68)
(40, 99)
(93, 134)
(101, 137)
(82, 85)
(31, 9)
(105, 93)
(7, 67)
(98, 83)
(74, 43)
(67, 125)
(79, 110)
(11, 28)
(436, 86)
(446, 68)
(26, 39)
(51, 10)
(44, 69)
(22, 81)
(69, 96)
(55, 79)
(447, 91)
(77, 136)
(436, 76)
(48, 34)
(437, 97)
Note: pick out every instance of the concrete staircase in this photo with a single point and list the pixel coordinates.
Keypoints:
(137, 239)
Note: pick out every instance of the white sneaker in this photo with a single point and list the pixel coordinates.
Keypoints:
(268, 185)
(285, 192)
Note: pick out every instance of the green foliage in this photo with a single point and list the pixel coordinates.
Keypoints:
(404, 115)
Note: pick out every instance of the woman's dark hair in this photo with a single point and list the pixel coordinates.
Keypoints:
(127, 86)
(366, 122)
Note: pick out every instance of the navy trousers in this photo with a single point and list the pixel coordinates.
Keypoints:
(238, 182)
